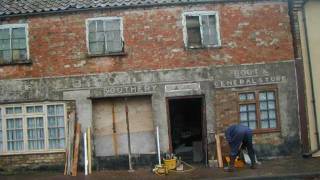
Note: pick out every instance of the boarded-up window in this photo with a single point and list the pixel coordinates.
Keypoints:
(13, 43)
(201, 29)
(105, 36)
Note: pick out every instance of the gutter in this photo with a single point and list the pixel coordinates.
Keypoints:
(311, 77)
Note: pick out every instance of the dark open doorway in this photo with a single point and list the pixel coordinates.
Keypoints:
(186, 128)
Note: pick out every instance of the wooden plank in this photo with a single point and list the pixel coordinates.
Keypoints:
(71, 129)
(219, 155)
(89, 149)
(114, 131)
(76, 151)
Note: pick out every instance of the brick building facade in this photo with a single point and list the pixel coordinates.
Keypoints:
(192, 68)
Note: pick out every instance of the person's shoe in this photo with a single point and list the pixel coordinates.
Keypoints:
(228, 169)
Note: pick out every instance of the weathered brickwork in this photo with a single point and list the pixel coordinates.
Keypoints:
(32, 162)
(154, 40)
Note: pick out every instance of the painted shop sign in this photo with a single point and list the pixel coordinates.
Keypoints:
(182, 87)
(133, 89)
(249, 77)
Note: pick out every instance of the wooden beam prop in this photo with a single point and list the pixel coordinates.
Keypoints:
(76, 151)
(89, 150)
(114, 131)
(219, 155)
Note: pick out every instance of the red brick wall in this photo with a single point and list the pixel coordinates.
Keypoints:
(250, 32)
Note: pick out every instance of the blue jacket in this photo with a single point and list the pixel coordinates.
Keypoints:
(237, 134)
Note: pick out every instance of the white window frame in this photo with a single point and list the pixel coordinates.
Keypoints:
(24, 115)
(104, 19)
(11, 26)
(199, 14)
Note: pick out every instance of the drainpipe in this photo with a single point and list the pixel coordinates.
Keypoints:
(311, 77)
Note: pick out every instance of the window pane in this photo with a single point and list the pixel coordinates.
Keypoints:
(100, 26)
(263, 106)
(250, 96)
(270, 95)
(7, 56)
(38, 109)
(92, 26)
(51, 110)
(92, 37)
(59, 110)
(262, 96)
(272, 114)
(209, 30)
(112, 25)
(242, 97)
(251, 107)
(264, 124)
(52, 122)
(99, 36)
(271, 105)
(30, 109)
(243, 117)
(252, 125)
(19, 43)
(273, 123)
(97, 48)
(114, 46)
(193, 31)
(5, 44)
(252, 116)
(9, 110)
(17, 110)
(4, 34)
(243, 108)
(263, 115)
(18, 33)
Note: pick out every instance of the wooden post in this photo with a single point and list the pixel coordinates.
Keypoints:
(128, 134)
(89, 149)
(114, 132)
(76, 151)
(219, 155)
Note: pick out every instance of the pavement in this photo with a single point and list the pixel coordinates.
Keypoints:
(283, 168)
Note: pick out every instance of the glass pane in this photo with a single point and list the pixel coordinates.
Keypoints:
(38, 109)
(18, 44)
(10, 123)
(7, 56)
(18, 123)
(243, 108)
(244, 123)
(193, 31)
(273, 123)
(264, 115)
(262, 96)
(30, 122)
(30, 109)
(4, 34)
(92, 26)
(263, 106)
(114, 46)
(4, 44)
(243, 117)
(60, 121)
(61, 143)
(61, 132)
(51, 110)
(264, 124)
(59, 110)
(17, 110)
(250, 96)
(9, 110)
(271, 105)
(252, 125)
(242, 97)
(112, 25)
(272, 114)
(92, 37)
(251, 107)
(270, 95)
(97, 48)
(100, 26)
(100, 36)
(18, 32)
(252, 116)
(209, 30)
(39, 122)
(19, 134)
(52, 122)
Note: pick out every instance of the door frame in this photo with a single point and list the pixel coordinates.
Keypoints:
(203, 122)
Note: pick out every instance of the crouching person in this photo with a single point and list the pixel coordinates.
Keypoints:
(239, 137)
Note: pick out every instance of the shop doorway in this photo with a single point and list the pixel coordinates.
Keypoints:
(186, 130)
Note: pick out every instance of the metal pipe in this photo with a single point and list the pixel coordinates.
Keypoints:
(158, 146)
(311, 76)
(128, 135)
